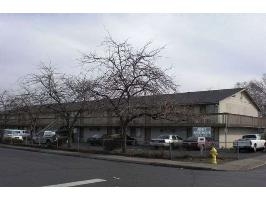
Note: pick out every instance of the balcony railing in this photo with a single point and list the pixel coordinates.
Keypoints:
(219, 120)
(245, 121)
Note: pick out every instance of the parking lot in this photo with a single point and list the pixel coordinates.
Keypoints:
(182, 150)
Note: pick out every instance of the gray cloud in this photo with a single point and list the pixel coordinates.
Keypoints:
(205, 51)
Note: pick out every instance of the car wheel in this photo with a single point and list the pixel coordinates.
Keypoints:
(48, 143)
(255, 148)
(202, 147)
(237, 149)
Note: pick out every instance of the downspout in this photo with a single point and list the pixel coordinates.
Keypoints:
(226, 130)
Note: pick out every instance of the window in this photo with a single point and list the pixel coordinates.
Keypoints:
(163, 137)
(202, 109)
(249, 137)
(211, 109)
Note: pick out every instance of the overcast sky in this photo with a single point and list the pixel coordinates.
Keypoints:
(204, 51)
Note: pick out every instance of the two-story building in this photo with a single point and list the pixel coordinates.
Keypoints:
(225, 115)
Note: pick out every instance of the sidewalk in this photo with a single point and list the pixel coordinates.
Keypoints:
(244, 164)
(237, 165)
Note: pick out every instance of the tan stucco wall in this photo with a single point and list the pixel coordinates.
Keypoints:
(233, 134)
(239, 104)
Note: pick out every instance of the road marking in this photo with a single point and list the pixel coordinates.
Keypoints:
(76, 183)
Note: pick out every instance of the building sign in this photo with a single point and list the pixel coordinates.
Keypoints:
(201, 131)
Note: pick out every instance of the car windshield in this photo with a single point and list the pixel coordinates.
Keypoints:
(39, 134)
(179, 138)
(163, 137)
(249, 136)
(201, 139)
(97, 136)
(191, 139)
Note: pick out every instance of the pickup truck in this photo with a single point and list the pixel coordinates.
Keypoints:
(12, 134)
(251, 141)
(194, 142)
(49, 138)
(166, 140)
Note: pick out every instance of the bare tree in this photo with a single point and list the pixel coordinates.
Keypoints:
(29, 103)
(65, 95)
(5, 107)
(126, 73)
(257, 89)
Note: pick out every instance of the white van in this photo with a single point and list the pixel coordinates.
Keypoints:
(16, 134)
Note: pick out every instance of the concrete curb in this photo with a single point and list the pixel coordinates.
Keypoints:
(115, 158)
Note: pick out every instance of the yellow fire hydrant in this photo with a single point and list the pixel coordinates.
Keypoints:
(213, 153)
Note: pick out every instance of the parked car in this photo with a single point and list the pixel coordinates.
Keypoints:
(46, 137)
(50, 138)
(98, 139)
(36, 138)
(13, 134)
(114, 141)
(1, 134)
(251, 141)
(62, 136)
(95, 140)
(166, 140)
(195, 143)
(131, 140)
(25, 134)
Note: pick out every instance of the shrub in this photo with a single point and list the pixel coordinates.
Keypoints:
(11, 140)
(111, 142)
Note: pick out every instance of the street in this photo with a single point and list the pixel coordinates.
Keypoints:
(24, 168)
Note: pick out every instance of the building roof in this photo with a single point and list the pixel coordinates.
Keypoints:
(194, 98)
(187, 98)
(203, 97)
(191, 98)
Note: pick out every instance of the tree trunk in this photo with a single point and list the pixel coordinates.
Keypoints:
(32, 130)
(124, 142)
(31, 135)
(72, 136)
(69, 137)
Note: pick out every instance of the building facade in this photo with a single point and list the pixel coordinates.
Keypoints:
(225, 115)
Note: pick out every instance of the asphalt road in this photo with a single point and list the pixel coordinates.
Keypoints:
(24, 168)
